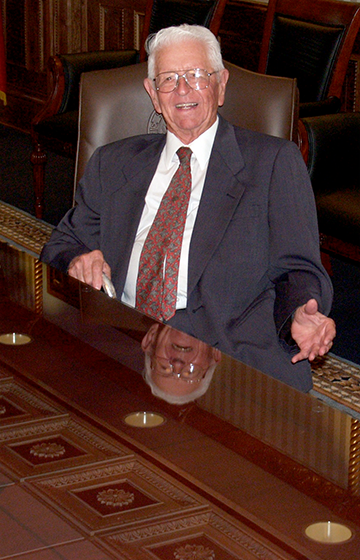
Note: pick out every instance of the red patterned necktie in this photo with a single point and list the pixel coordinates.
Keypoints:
(156, 287)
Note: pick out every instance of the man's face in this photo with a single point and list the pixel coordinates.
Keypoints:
(181, 349)
(168, 346)
(187, 112)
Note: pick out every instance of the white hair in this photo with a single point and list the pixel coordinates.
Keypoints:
(202, 387)
(177, 34)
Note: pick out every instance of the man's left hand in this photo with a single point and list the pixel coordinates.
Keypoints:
(312, 331)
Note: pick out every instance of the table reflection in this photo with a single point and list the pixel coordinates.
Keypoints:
(271, 439)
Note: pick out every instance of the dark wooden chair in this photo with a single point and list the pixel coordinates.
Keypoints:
(164, 13)
(332, 147)
(55, 127)
(310, 40)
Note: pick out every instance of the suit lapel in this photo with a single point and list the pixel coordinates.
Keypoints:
(128, 202)
(143, 165)
(221, 194)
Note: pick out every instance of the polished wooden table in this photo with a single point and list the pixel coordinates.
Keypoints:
(241, 473)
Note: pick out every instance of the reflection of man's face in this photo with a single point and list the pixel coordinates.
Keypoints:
(179, 361)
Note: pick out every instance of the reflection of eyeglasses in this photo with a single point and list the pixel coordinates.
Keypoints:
(190, 373)
(196, 78)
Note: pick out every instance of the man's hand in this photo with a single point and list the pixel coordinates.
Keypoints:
(89, 267)
(312, 331)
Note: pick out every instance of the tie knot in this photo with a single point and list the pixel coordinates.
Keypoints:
(184, 155)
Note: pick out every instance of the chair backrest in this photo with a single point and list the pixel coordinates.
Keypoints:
(310, 40)
(74, 64)
(333, 152)
(164, 13)
(114, 105)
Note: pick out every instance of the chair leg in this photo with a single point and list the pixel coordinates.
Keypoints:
(38, 159)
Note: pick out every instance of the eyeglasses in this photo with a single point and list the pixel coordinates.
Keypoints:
(190, 373)
(196, 78)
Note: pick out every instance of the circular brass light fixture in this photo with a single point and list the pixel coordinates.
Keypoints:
(328, 532)
(143, 419)
(15, 339)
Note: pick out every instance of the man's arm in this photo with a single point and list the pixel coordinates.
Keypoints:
(78, 233)
(303, 288)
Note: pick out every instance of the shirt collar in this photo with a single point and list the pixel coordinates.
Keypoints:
(201, 147)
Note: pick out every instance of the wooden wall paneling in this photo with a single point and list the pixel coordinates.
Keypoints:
(24, 42)
(37, 29)
(34, 35)
(112, 23)
(241, 32)
(66, 26)
(14, 31)
(23, 22)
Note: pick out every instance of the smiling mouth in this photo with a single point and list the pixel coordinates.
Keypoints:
(186, 105)
(181, 348)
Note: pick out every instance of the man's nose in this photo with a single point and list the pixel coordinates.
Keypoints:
(177, 365)
(183, 87)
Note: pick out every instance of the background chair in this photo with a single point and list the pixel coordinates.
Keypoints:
(333, 154)
(114, 105)
(310, 40)
(163, 13)
(55, 127)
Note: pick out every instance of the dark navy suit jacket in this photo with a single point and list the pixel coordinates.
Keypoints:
(254, 253)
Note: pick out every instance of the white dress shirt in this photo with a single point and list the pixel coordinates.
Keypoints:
(168, 164)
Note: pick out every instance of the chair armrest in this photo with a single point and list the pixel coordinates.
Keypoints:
(315, 108)
(332, 143)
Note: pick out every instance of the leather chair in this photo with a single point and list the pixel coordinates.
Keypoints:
(54, 128)
(164, 13)
(310, 40)
(114, 105)
(333, 155)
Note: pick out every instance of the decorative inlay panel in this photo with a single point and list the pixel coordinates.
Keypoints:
(114, 498)
(42, 447)
(5, 376)
(5, 480)
(120, 493)
(47, 450)
(23, 229)
(20, 404)
(205, 536)
(338, 379)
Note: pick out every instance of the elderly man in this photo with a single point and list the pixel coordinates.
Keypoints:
(224, 245)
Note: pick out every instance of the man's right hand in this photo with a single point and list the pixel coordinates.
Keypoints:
(89, 267)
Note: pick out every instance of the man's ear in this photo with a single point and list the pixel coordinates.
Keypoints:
(150, 336)
(224, 76)
(216, 355)
(153, 94)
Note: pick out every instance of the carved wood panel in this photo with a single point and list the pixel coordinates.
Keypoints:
(241, 33)
(114, 24)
